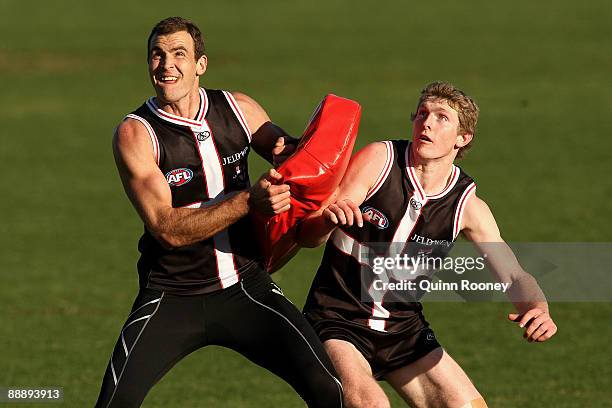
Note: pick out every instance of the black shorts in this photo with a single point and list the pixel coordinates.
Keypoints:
(385, 351)
(252, 317)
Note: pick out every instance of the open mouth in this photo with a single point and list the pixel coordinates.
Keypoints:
(167, 79)
(424, 138)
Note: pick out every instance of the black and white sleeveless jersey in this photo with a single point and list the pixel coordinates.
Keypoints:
(403, 220)
(204, 159)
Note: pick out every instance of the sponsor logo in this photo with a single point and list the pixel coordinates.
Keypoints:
(202, 136)
(430, 337)
(415, 204)
(178, 177)
(429, 242)
(376, 217)
(235, 157)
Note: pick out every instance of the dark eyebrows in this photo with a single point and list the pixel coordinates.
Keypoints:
(158, 49)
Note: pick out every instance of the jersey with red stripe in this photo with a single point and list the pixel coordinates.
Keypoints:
(404, 220)
(204, 159)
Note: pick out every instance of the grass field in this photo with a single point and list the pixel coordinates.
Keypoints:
(539, 70)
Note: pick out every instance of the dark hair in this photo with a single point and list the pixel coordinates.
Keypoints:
(173, 25)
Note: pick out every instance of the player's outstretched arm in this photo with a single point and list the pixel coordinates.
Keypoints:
(268, 140)
(343, 206)
(150, 194)
(480, 227)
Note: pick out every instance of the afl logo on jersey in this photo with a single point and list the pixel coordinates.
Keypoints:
(178, 177)
(376, 217)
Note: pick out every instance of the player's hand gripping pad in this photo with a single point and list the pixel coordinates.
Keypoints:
(313, 172)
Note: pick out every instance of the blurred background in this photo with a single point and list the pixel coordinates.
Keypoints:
(540, 71)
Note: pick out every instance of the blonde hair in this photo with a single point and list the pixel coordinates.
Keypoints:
(465, 106)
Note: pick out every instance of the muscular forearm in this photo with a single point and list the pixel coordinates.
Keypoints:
(183, 226)
(524, 291)
(314, 231)
(526, 294)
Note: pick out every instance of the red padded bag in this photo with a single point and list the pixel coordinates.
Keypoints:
(313, 172)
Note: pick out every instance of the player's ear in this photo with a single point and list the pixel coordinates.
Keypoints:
(463, 139)
(201, 65)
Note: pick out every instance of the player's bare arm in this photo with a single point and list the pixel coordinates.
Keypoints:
(150, 194)
(480, 227)
(268, 140)
(361, 174)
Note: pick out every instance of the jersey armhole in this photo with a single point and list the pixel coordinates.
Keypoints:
(461, 207)
(151, 132)
(239, 115)
(384, 172)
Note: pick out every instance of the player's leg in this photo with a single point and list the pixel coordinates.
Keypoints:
(361, 390)
(160, 330)
(261, 324)
(435, 380)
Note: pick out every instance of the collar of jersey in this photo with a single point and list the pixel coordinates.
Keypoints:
(417, 185)
(179, 120)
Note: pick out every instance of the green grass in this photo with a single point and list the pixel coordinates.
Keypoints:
(539, 70)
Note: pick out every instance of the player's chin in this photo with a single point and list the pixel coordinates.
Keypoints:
(168, 94)
(427, 150)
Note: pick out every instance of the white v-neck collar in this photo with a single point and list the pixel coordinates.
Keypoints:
(179, 120)
(417, 185)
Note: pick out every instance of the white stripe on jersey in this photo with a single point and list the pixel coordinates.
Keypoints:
(215, 185)
(151, 132)
(400, 238)
(407, 223)
(381, 314)
(225, 260)
(211, 163)
(365, 256)
(236, 109)
(351, 247)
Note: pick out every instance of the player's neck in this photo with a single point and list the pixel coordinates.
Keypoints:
(186, 107)
(433, 174)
